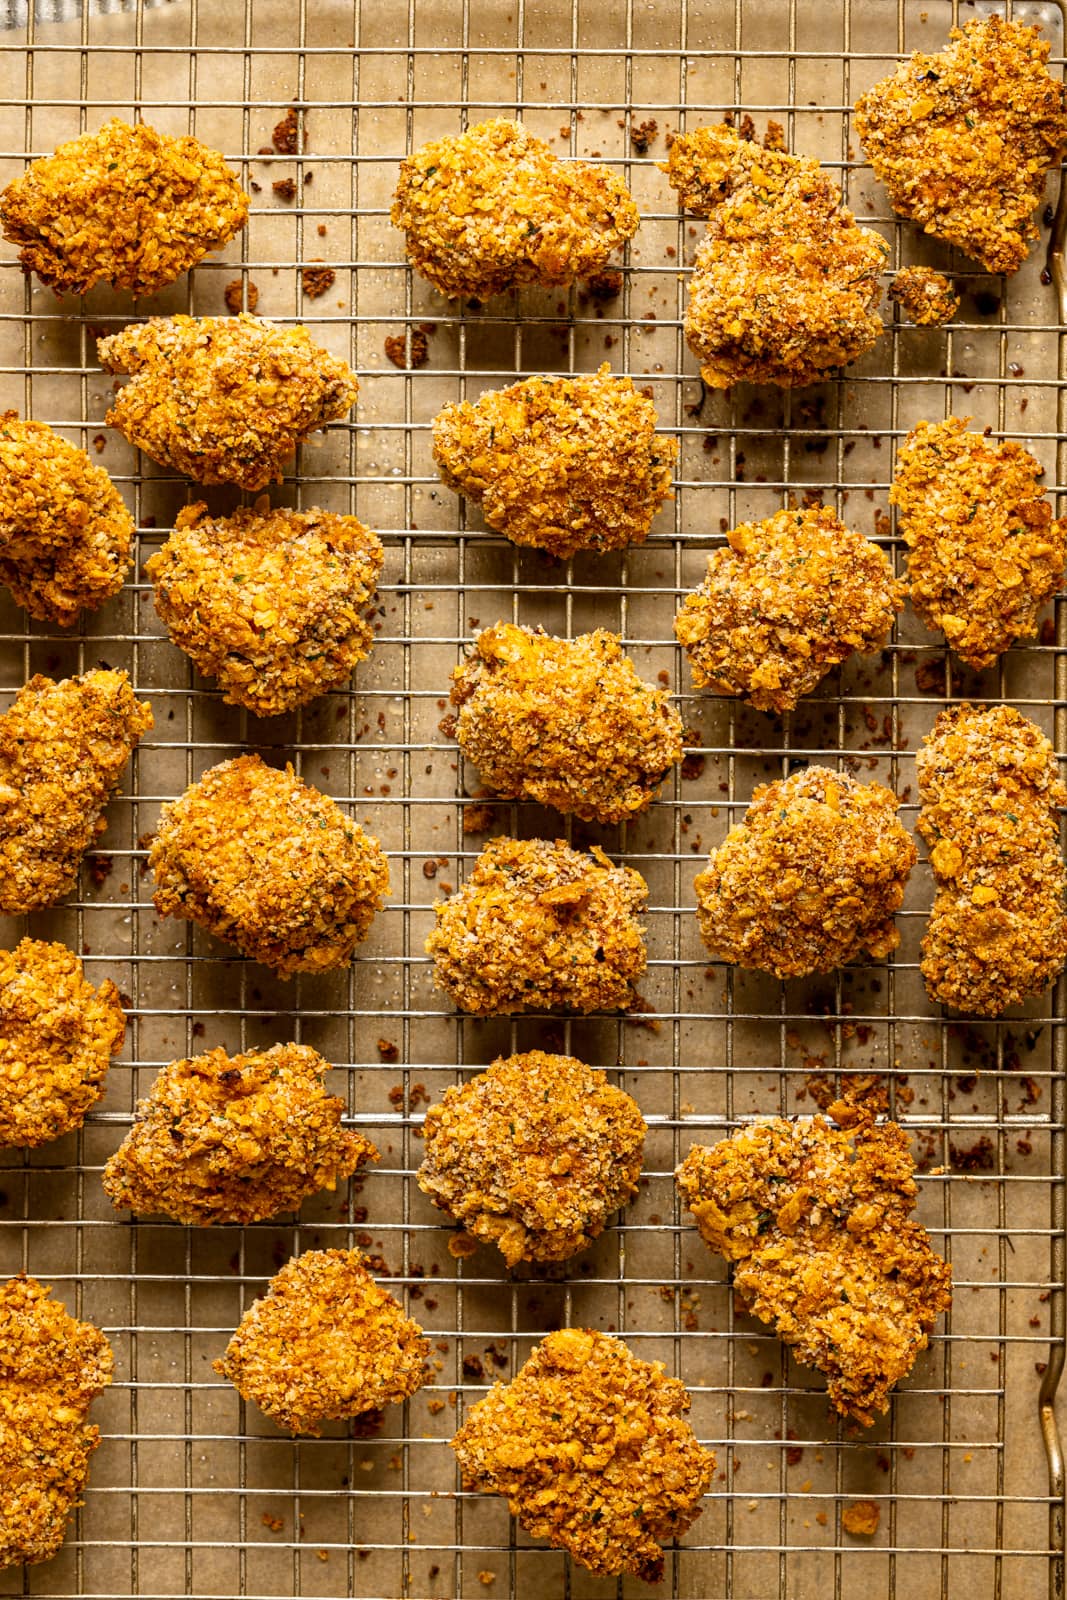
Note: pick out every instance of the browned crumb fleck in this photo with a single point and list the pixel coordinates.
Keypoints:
(388, 1050)
(930, 676)
(284, 188)
(275, 1524)
(316, 280)
(486, 1577)
(234, 296)
(603, 286)
(926, 298)
(642, 135)
(99, 443)
(286, 135)
(861, 1518)
(408, 350)
(978, 1157)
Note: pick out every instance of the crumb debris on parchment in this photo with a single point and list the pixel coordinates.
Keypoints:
(316, 280)
(926, 297)
(240, 296)
(408, 350)
(284, 188)
(861, 1518)
(642, 135)
(286, 134)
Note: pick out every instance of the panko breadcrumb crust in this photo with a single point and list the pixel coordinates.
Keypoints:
(271, 603)
(125, 205)
(493, 207)
(591, 1447)
(560, 464)
(810, 879)
(52, 1367)
(223, 399)
(268, 863)
(926, 297)
(990, 785)
(326, 1342)
(962, 139)
(533, 1155)
(564, 722)
(65, 534)
(816, 1222)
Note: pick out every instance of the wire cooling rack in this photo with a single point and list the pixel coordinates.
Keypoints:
(194, 1494)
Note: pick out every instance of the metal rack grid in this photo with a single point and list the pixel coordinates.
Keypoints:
(191, 1492)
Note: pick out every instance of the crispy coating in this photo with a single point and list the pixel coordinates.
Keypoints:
(264, 861)
(816, 1222)
(990, 785)
(63, 747)
(326, 1342)
(985, 552)
(810, 879)
(271, 603)
(223, 399)
(52, 1367)
(538, 924)
(493, 207)
(926, 297)
(963, 139)
(234, 1139)
(65, 534)
(564, 722)
(126, 206)
(562, 464)
(591, 1447)
(785, 601)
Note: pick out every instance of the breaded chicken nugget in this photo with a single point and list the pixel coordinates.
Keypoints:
(223, 399)
(63, 747)
(816, 1222)
(271, 603)
(264, 861)
(926, 298)
(538, 924)
(493, 207)
(562, 464)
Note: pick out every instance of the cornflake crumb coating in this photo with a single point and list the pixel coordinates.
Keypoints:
(985, 551)
(816, 1222)
(57, 1037)
(591, 1447)
(63, 747)
(493, 207)
(235, 1139)
(564, 722)
(264, 861)
(538, 925)
(810, 879)
(223, 399)
(271, 603)
(990, 785)
(326, 1342)
(125, 205)
(561, 464)
(926, 297)
(963, 139)
(52, 1368)
(65, 534)
(533, 1155)
(785, 601)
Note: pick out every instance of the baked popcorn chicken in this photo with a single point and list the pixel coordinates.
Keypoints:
(926, 297)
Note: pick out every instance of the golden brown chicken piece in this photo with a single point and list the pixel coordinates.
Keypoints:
(264, 861)
(63, 747)
(985, 552)
(223, 399)
(65, 534)
(271, 603)
(493, 207)
(564, 722)
(816, 1222)
(990, 785)
(562, 464)
(52, 1368)
(926, 298)
(783, 603)
(127, 206)
(963, 139)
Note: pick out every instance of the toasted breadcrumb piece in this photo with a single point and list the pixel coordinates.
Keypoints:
(990, 785)
(271, 603)
(564, 722)
(926, 297)
(127, 206)
(493, 207)
(963, 139)
(562, 464)
(63, 747)
(985, 552)
(324, 1343)
(223, 399)
(538, 924)
(591, 1447)
(52, 1367)
(264, 861)
(816, 1222)
(861, 1518)
(533, 1155)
